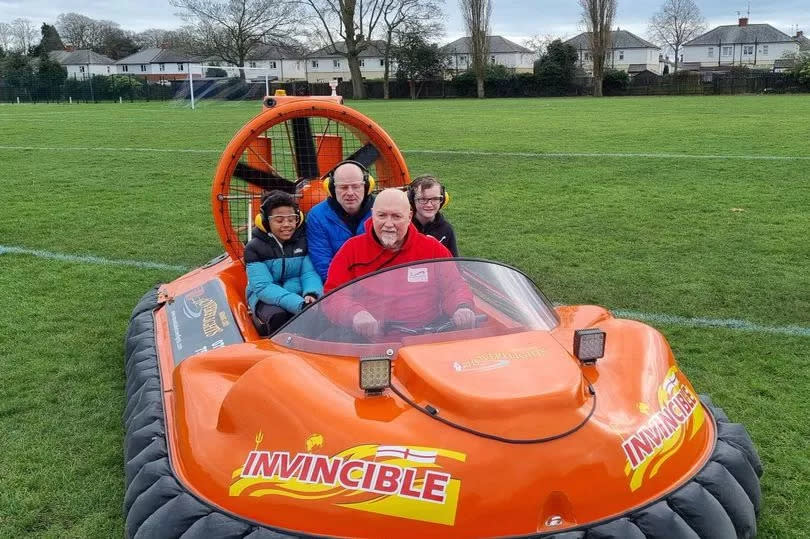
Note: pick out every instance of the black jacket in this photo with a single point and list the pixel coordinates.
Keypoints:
(440, 229)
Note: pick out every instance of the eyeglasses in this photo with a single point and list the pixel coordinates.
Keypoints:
(282, 219)
(426, 201)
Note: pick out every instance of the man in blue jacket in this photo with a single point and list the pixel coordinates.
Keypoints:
(341, 216)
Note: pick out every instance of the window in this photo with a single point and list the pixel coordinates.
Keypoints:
(362, 62)
(336, 64)
(251, 64)
(143, 68)
(382, 62)
(298, 64)
(765, 50)
(726, 51)
(81, 69)
(492, 60)
(125, 68)
(162, 67)
(711, 52)
(108, 69)
(179, 67)
(621, 55)
(314, 63)
(272, 64)
(587, 56)
(748, 50)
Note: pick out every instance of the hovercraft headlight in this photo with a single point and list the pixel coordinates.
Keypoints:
(375, 374)
(589, 345)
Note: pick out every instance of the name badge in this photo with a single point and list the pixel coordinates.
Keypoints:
(417, 275)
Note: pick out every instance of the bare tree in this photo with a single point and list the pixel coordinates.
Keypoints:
(5, 36)
(76, 30)
(677, 22)
(235, 28)
(476, 15)
(152, 37)
(598, 17)
(410, 16)
(23, 32)
(346, 27)
(539, 44)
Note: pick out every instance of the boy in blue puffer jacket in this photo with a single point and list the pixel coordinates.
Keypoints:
(281, 277)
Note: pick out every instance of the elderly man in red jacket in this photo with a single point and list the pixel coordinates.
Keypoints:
(418, 295)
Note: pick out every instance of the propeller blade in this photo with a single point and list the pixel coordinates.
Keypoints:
(306, 156)
(365, 155)
(263, 179)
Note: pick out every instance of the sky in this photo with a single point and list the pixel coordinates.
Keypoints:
(513, 19)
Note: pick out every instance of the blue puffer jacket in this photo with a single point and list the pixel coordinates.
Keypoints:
(280, 274)
(327, 231)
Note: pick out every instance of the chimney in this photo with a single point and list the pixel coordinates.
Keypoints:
(743, 21)
(799, 33)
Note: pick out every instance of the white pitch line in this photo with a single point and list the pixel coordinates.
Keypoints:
(106, 149)
(6, 249)
(730, 323)
(550, 155)
(608, 154)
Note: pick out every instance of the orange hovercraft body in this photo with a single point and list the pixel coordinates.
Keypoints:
(516, 427)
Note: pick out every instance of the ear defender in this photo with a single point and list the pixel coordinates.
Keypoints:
(261, 220)
(412, 194)
(445, 199)
(368, 179)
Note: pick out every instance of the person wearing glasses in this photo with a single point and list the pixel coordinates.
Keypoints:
(428, 196)
(391, 239)
(281, 280)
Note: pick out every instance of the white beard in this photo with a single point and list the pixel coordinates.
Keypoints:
(389, 240)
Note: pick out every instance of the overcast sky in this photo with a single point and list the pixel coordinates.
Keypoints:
(514, 19)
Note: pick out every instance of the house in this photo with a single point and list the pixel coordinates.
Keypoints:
(627, 51)
(276, 62)
(155, 64)
(743, 44)
(83, 64)
(804, 42)
(326, 63)
(503, 52)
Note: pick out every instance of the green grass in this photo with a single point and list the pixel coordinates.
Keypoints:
(655, 235)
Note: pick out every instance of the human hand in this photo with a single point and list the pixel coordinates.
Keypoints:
(309, 299)
(365, 324)
(464, 318)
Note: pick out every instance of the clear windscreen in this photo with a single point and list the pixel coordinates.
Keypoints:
(426, 301)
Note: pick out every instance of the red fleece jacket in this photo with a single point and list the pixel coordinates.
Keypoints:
(414, 295)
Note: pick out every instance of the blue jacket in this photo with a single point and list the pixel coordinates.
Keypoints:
(327, 231)
(280, 274)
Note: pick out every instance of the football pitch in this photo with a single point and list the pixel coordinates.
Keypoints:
(689, 213)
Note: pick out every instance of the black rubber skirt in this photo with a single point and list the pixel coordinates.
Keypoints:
(721, 501)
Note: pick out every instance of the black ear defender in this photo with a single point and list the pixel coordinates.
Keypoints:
(276, 199)
(368, 180)
(426, 179)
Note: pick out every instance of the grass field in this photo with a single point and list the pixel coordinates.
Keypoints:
(692, 212)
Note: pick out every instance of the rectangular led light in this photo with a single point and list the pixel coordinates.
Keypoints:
(589, 345)
(375, 373)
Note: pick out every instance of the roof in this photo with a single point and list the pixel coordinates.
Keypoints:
(497, 44)
(80, 57)
(689, 66)
(374, 49)
(733, 33)
(636, 68)
(804, 43)
(784, 63)
(154, 55)
(621, 39)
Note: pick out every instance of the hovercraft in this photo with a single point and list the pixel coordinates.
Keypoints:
(540, 421)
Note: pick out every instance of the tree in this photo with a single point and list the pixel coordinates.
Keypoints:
(50, 76)
(76, 30)
(677, 22)
(476, 15)
(23, 33)
(232, 29)
(407, 17)
(346, 27)
(417, 60)
(50, 40)
(6, 39)
(556, 68)
(598, 17)
(538, 44)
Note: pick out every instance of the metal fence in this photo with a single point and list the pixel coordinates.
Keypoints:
(132, 88)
